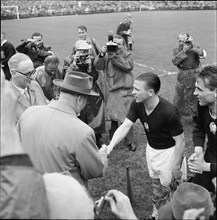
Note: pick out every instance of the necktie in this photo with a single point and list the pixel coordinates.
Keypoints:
(26, 95)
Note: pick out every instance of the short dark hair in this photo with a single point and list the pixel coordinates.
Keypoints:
(152, 81)
(82, 27)
(51, 59)
(36, 34)
(209, 76)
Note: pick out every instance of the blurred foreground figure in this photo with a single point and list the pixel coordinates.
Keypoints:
(187, 58)
(22, 188)
(187, 196)
(56, 139)
(203, 162)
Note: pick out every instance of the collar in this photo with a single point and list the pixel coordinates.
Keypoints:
(20, 89)
(3, 42)
(61, 106)
(16, 160)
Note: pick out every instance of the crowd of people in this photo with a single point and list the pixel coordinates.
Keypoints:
(53, 119)
(40, 8)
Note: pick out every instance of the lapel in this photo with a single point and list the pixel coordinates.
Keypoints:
(19, 97)
(32, 94)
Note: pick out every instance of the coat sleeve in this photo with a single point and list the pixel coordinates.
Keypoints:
(92, 164)
(124, 63)
(23, 47)
(178, 56)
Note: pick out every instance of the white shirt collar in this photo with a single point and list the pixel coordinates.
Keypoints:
(3, 42)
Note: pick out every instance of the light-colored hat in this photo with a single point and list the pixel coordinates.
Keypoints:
(82, 45)
(75, 81)
(187, 196)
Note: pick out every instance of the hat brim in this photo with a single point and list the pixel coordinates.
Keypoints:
(59, 82)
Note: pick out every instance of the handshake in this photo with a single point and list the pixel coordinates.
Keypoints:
(106, 149)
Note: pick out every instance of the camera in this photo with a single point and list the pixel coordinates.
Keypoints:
(111, 46)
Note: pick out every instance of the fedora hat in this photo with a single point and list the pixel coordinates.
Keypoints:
(75, 81)
(187, 196)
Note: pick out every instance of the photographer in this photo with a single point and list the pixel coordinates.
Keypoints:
(187, 58)
(117, 64)
(93, 113)
(35, 49)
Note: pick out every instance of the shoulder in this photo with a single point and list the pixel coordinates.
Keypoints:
(167, 107)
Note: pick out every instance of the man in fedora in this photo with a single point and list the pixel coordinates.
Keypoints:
(187, 196)
(54, 137)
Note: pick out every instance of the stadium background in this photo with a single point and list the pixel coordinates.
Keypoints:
(155, 37)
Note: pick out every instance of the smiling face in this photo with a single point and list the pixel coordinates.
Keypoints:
(205, 96)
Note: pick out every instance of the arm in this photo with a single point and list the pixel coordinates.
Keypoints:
(124, 63)
(178, 56)
(100, 60)
(178, 154)
(24, 46)
(92, 163)
(196, 49)
(120, 134)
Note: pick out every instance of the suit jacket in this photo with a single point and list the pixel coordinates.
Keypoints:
(36, 98)
(58, 141)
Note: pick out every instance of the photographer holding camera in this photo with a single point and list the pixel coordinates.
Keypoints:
(187, 58)
(117, 64)
(35, 49)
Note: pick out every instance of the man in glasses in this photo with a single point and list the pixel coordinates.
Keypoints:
(27, 91)
(45, 75)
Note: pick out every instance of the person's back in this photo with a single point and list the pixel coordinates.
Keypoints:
(56, 139)
(23, 193)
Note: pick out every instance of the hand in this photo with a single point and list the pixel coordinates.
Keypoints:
(197, 164)
(186, 47)
(104, 49)
(193, 214)
(177, 173)
(120, 204)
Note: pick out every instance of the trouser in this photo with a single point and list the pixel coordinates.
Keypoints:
(128, 138)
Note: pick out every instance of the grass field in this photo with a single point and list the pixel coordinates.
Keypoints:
(155, 37)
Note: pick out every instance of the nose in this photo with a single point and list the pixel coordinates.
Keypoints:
(195, 92)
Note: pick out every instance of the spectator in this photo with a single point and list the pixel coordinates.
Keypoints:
(56, 140)
(7, 51)
(22, 188)
(45, 75)
(130, 32)
(187, 58)
(93, 113)
(35, 49)
(187, 196)
(163, 128)
(27, 91)
(203, 162)
(118, 68)
(123, 30)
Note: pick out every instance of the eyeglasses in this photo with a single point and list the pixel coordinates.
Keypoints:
(28, 74)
